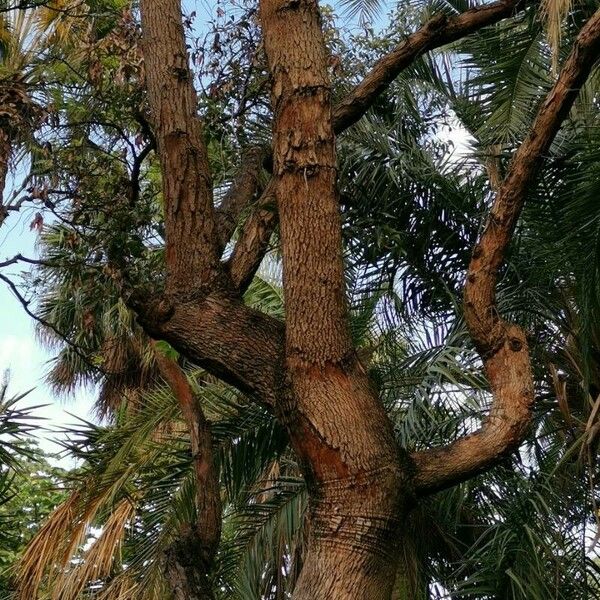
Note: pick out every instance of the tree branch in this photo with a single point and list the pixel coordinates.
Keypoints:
(192, 247)
(502, 345)
(254, 240)
(240, 345)
(240, 194)
(438, 31)
(203, 539)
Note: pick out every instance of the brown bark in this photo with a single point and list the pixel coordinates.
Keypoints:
(337, 427)
(360, 485)
(438, 31)
(184, 570)
(240, 194)
(240, 345)
(190, 559)
(254, 240)
(192, 248)
(502, 345)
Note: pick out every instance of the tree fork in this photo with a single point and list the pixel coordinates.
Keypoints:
(502, 345)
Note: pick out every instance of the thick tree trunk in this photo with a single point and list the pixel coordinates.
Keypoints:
(184, 569)
(337, 426)
(360, 485)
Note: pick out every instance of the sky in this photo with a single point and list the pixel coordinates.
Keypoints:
(22, 358)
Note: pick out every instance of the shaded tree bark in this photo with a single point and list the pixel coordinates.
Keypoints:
(190, 559)
(361, 485)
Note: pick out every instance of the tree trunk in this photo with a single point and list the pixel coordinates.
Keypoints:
(337, 426)
(360, 483)
(184, 568)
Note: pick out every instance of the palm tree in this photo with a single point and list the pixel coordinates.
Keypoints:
(411, 214)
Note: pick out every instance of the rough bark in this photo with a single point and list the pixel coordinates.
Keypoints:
(243, 189)
(184, 570)
(192, 247)
(360, 486)
(502, 345)
(337, 427)
(254, 240)
(206, 531)
(438, 31)
(218, 332)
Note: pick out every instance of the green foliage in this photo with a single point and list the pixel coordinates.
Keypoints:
(412, 206)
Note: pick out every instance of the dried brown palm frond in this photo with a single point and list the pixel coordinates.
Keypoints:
(554, 13)
(99, 560)
(19, 113)
(121, 587)
(58, 541)
(48, 549)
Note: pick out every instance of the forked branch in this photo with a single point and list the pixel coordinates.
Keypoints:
(502, 345)
(437, 32)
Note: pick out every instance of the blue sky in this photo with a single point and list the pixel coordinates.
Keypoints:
(20, 353)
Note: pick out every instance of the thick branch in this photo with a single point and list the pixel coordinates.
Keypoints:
(243, 189)
(503, 346)
(304, 170)
(254, 240)
(438, 31)
(192, 247)
(240, 345)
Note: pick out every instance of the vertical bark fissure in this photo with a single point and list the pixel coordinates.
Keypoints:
(502, 345)
(192, 248)
(337, 426)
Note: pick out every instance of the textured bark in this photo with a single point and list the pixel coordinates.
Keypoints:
(192, 248)
(502, 345)
(240, 345)
(184, 570)
(437, 32)
(240, 194)
(254, 240)
(360, 485)
(208, 499)
(337, 427)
